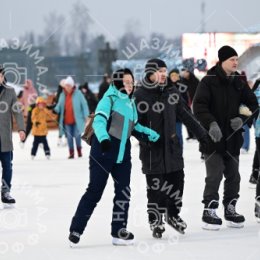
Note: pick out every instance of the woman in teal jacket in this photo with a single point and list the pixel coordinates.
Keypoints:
(115, 121)
(73, 110)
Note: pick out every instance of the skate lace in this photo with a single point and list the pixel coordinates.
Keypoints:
(75, 234)
(212, 213)
(231, 209)
(8, 196)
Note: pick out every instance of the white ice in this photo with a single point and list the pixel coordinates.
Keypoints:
(48, 191)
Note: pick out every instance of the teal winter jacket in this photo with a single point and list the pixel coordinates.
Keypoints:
(121, 110)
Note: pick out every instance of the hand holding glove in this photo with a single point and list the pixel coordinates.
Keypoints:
(105, 145)
(215, 132)
(236, 123)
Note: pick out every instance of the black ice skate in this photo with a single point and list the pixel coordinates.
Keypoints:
(253, 180)
(233, 219)
(157, 229)
(123, 238)
(257, 209)
(177, 223)
(7, 199)
(74, 238)
(210, 219)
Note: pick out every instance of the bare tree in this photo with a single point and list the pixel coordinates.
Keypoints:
(79, 29)
(53, 32)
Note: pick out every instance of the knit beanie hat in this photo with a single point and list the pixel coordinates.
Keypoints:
(154, 65)
(226, 52)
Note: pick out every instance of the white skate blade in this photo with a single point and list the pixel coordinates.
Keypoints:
(8, 206)
(122, 242)
(251, 186)
(235, 225)
(212, 227)
(72, 245)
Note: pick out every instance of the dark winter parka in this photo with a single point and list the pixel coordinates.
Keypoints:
(218, 98)
(158, 107)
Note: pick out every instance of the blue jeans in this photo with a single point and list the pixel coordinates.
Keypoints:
(73, 132)
(179, 133)
(7, 170)
(246, 136)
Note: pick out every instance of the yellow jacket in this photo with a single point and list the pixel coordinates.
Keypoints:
(39, 122)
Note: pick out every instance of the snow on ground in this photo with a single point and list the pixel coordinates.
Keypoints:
(47, 193)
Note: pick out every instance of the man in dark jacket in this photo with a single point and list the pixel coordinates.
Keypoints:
(216, 105)
(159, 104)
(8, 108)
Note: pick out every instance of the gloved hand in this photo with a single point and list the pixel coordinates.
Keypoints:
(105, 145)
(204, 141)
(37, 124)
(153, 136)
(215, 132)
(236, 123)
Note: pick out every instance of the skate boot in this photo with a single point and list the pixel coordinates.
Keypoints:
(177, 223)
(123, 238)
(74, 238)
(6, 198)
(253, 179)
(157, 229)
(233, 219)
(257, 209)
(210, 219)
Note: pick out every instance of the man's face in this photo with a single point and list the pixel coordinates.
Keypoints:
(2, 78)
(159, 76)
(230, 65)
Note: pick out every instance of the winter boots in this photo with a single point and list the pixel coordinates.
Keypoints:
(71, 151)
(71, 156)
(79, 150)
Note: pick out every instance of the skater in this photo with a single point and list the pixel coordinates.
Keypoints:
(39, 127)
(73, 112)
(115, 120)
(159, 104)
(9, 107)
(216, 105)
(257, 134)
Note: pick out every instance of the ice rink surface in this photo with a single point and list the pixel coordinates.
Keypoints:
(48, 191)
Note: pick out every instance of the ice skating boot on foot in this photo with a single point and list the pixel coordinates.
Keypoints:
(123, 238)
(74, 238)
(257, 209)
(177, 223)
(233, 219)
(210, 219)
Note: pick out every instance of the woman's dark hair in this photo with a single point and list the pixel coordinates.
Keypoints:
(118, 75)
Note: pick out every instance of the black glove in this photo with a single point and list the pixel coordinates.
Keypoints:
(204, 141)
(105, 145)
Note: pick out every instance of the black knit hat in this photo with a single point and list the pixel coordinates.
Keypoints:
(226, 52)
(154, 65)
(117, 78)
(175, 70)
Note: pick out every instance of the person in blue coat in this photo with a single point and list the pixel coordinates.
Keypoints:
(73, 111)
(115, 121)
